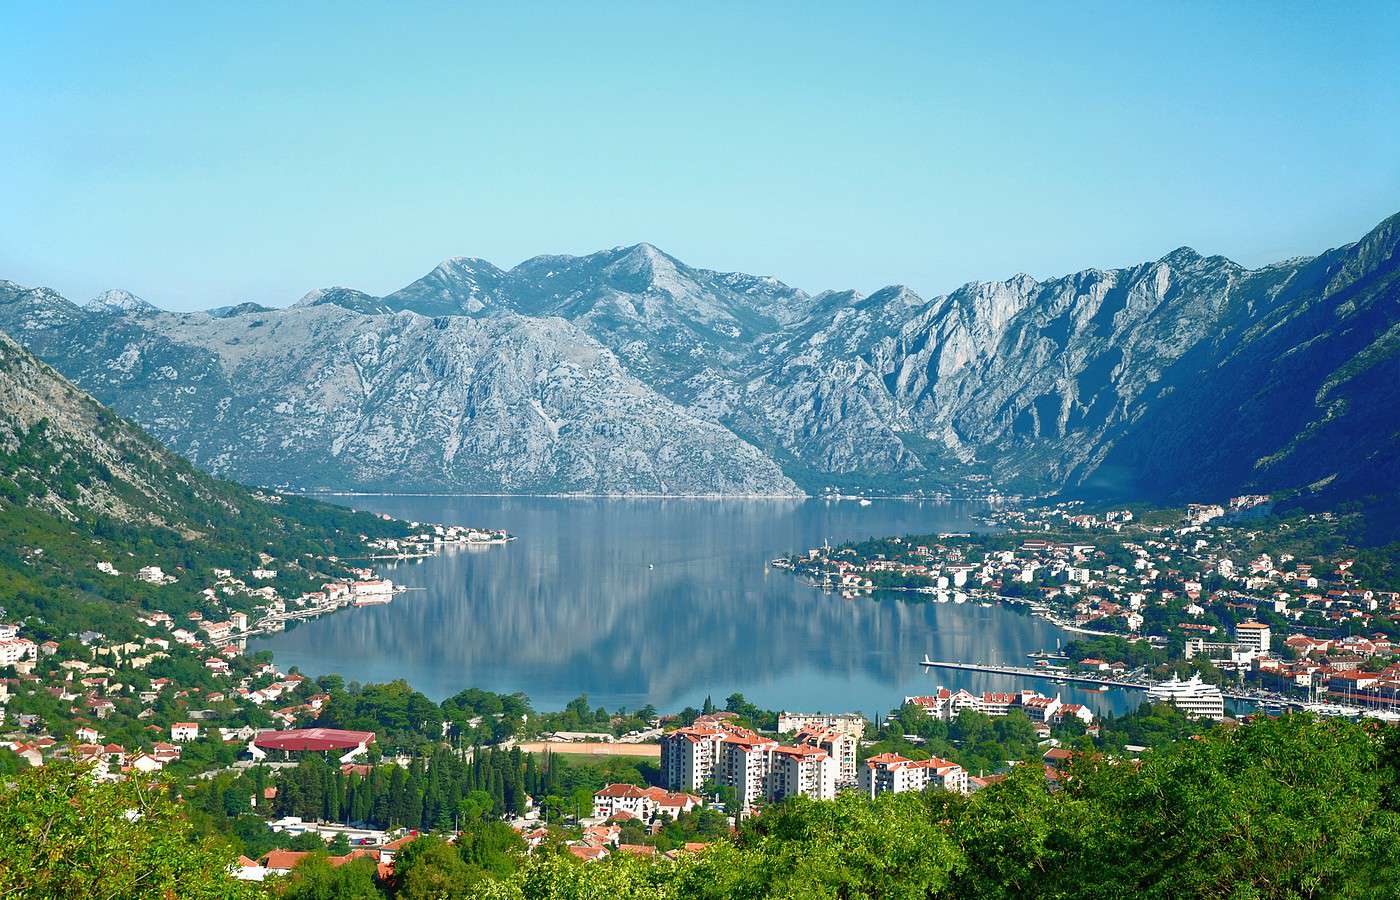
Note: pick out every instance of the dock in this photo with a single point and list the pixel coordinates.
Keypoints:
(1261, 697)
(1033, 672)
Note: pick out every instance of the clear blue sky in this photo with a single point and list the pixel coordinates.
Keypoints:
(200, 156)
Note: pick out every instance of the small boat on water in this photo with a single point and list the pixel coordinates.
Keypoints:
(864, 502)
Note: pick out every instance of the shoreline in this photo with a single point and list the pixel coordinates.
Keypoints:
(591, 496)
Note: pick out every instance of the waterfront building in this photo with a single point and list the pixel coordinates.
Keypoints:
(1192, 696)
(1253, 635)
(945, 705)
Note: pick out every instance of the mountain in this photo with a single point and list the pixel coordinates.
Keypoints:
(629, 371)
(322, 396)
(80, 486)
(119, 302)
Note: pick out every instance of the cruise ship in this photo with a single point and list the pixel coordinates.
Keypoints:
(1192, 696)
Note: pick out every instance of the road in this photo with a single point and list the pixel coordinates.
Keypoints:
(652, 751)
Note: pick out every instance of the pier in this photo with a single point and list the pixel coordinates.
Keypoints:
(1261, 697)
(1048, 674)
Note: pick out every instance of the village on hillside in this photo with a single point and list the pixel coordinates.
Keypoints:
(1218, 593)
(315, 766)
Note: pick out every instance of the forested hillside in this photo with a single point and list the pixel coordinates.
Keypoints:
(80, 487)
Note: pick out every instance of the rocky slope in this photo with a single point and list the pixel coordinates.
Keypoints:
(628, 371)
(320, 396)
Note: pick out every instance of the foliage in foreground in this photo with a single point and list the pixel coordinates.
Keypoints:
(64, 835)
(1293, 807)
(1289, 807)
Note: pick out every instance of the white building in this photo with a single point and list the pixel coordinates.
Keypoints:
(803, 770)
(890, 773)
(1253, 635)
(839, 745)
(1193, 697)
(689, 756)
(182, 732)
(851, 723)
(17, 650)
(154, 575)
(645, 804)
(744, 765)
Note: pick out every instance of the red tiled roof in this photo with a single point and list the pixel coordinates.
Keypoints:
(283, 859)
(299, 739)
(396, 845)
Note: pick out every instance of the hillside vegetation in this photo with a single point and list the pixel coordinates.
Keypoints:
(80, 486)
(1291, 807)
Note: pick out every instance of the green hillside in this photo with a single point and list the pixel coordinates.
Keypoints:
(80, 486)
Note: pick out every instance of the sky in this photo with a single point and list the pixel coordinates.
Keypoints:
(199, 155)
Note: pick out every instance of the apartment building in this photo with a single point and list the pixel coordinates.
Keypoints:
(745, 763)
(839, 745)
(890, 773)
(806, 770)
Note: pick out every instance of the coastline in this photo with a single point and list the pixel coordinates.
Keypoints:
(592, 496)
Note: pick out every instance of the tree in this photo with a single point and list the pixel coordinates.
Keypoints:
(315, 878)
(429, 868)
(64, 835)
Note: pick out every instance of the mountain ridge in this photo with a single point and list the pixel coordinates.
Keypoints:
(1076, 382)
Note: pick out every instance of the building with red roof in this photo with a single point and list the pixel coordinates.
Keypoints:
(347, 744)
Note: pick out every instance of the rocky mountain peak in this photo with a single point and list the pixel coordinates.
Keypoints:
(119, 301)
(1181, 257)
(628, 370)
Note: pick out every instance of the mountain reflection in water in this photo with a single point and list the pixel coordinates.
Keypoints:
(637, 601)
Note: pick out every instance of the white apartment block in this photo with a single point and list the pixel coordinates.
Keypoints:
(839, 745)
(890, 773)
(641, 803)
(744, 766)
(851, 723)
(1253, 635)
(805, 770)
(14, 650)
(690, 755)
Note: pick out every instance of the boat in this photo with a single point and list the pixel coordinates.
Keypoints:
(864, 502)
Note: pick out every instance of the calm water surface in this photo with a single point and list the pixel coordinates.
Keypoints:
(664, 602)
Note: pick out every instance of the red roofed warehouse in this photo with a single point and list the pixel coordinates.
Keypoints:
(349, 744)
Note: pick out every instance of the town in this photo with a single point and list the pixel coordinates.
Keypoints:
(318, 769)
(1215, 592)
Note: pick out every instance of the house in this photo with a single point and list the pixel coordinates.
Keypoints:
(282, 862)
(246, 869)
(182, 732)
